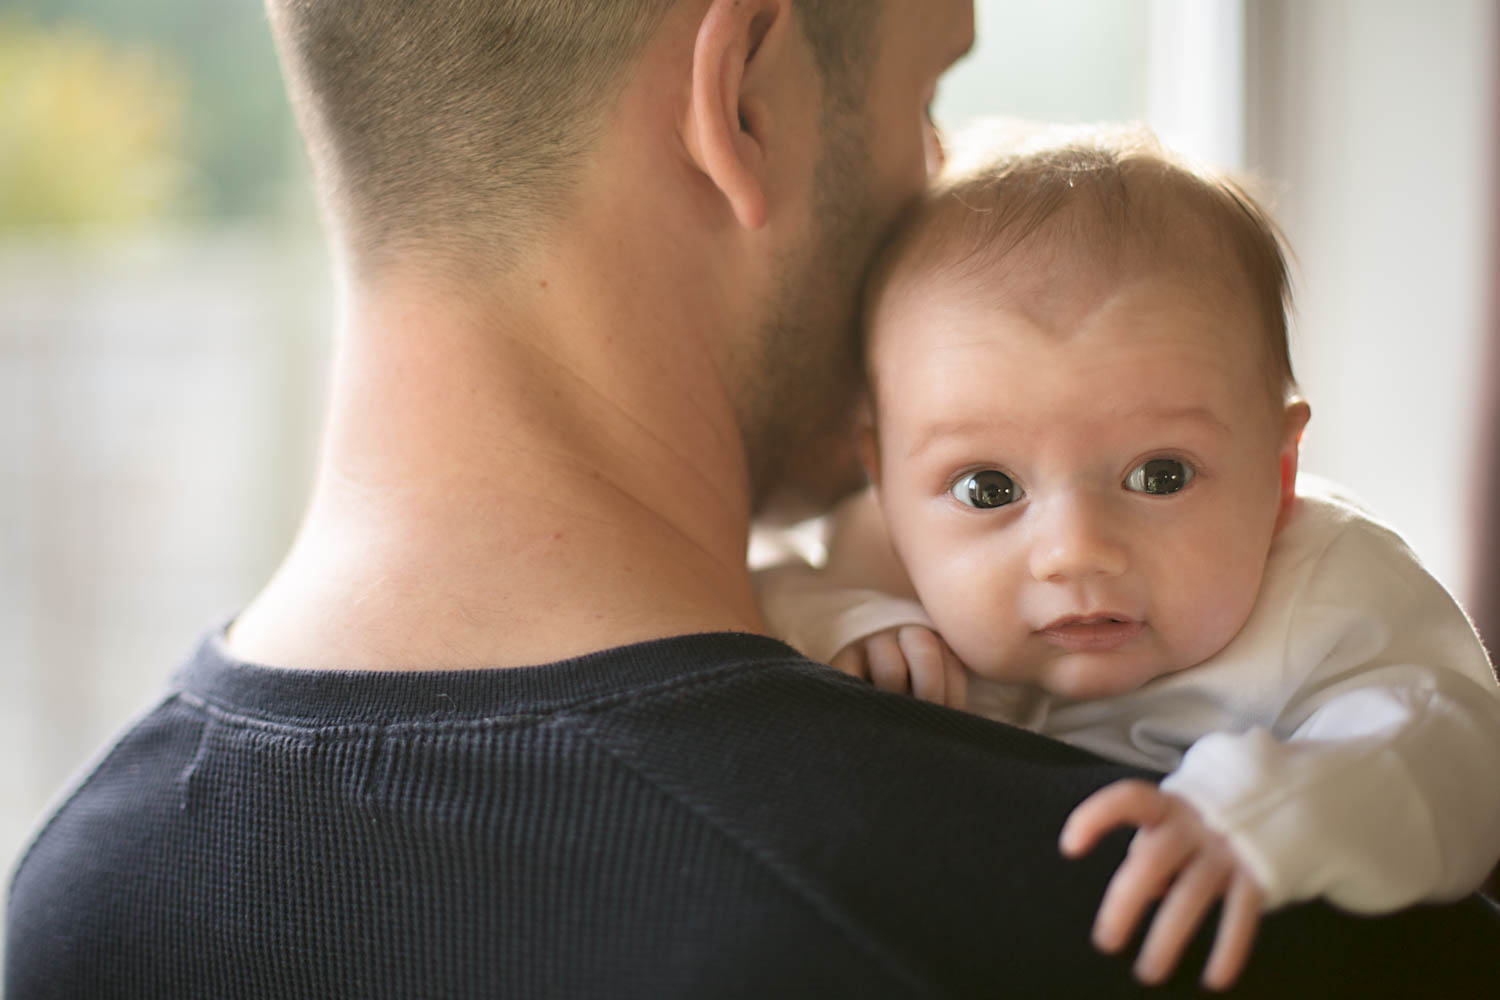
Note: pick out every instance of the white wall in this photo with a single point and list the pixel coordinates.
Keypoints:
(1050, 60)
(1374, 117)
(158, 394)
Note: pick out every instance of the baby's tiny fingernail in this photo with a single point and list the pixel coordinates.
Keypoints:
(1148, 973)
(1216, 982)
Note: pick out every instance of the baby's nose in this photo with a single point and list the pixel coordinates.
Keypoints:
(1074, 538)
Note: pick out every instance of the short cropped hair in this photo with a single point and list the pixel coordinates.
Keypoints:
(454, 125)
(1089, 197)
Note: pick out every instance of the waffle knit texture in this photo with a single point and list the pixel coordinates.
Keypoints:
(703, 816)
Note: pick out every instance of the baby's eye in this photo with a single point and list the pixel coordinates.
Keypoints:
(1159, 476)
(986, 490)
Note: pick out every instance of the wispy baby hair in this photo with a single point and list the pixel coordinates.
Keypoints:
(1039, 208)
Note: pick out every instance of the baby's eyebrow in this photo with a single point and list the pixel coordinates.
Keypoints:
(946, 429)
(1180, 414)
(958, 427)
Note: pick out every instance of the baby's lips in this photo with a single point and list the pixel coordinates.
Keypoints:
(1091, 633)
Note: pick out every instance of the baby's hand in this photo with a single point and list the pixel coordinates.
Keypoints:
(1174, 857)
(907, 659)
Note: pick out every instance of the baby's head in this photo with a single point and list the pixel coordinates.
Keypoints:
(1084, 422)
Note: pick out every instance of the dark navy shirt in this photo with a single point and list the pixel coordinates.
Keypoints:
(704, 816)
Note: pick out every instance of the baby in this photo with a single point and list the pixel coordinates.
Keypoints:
(1083, 444)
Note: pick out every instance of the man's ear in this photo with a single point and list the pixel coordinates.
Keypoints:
(728, 123)
(1293, 422)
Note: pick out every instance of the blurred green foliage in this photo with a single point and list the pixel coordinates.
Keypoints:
(188, 87)
(89, 132)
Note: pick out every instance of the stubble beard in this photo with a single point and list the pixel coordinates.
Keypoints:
(797, 409)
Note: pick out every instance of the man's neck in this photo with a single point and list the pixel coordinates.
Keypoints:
(505, 490)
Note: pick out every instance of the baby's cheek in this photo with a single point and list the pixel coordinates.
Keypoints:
(982, 636)
(1206, 618)
(965, 588)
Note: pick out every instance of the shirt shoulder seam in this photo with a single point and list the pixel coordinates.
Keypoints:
(763, 857)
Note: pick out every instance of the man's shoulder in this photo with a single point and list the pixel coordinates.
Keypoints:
(708, 815)
(704, 816)
(918, 830)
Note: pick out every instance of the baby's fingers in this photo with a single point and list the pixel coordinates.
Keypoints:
(887, 663)
(936, 675)
(1153, 861)
(851, 660)
(923, 652)
(1130, 802)
(1238, 923)
(958, 679)
(1179, 915)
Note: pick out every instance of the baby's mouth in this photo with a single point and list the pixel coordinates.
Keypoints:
(1092, 633)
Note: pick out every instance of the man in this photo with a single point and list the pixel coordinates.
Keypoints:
(600, 264)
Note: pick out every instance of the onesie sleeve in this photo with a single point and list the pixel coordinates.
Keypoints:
(809, 610)
(1377, 783)
(851, 594)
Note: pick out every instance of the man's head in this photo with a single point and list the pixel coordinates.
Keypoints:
(455, 128)
(748, 155)
(1085, 437)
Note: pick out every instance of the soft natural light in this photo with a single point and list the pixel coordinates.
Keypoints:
(160, 357)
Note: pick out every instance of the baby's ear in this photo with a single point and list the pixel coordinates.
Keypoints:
(1293, 422)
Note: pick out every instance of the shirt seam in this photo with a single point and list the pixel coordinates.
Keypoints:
(230, 714)
(81, 780)
(766, 859)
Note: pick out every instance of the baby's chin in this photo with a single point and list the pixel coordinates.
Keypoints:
(1091, 676)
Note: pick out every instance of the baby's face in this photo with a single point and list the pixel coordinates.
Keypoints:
(1083, 494)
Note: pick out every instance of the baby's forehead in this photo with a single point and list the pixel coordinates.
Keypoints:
(978, 367)
(1059, 293)
(1057, 231)
(1059, 272)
